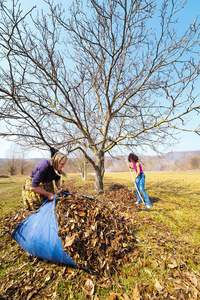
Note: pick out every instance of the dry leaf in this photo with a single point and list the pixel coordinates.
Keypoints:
(172, 266)
(192, 278)
(88, 288)
(113, 296)
(31, 294)
(47, 278)
(136, 293)
(69, 241)
(126, 297)
(158, 286)
(81, 213)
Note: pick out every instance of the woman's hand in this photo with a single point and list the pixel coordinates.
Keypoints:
(60, 188)
(41, 191)
(60, 191)
(51, 196)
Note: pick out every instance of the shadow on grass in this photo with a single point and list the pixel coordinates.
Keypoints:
(116, 187)
(144, 209)
(154, 199)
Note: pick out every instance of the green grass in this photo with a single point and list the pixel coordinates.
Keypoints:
(168, 239)
(10, 193)
(178, 204)
(175, 198)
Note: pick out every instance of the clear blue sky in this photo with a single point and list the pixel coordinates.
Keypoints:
(188, 141)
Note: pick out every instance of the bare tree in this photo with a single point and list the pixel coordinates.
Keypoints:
(81, 163)
(99, 77)
(11, 162)
(195, 162)
(22, 162)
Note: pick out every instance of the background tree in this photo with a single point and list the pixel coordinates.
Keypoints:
(81, 163)
(23, 164)
(11, 162)
(178, 166)
(195, 162)
(108, 73)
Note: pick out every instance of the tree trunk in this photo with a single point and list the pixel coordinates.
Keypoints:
(99, 172)
(83, 175)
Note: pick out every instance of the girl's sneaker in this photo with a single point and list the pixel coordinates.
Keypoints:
(148, 206)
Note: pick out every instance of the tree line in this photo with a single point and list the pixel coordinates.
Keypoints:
(20, 166)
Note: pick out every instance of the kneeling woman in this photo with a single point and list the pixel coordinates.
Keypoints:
(39, 186)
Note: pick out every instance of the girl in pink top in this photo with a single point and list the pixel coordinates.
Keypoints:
(139, 180)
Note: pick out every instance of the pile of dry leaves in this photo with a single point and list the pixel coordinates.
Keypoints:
(96, 237)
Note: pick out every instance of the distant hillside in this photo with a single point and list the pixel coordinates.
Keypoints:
(186, 160)
(174, 156)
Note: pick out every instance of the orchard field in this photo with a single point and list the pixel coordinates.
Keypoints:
(165, 260)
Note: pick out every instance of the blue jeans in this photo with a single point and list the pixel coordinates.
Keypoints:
(140, 183)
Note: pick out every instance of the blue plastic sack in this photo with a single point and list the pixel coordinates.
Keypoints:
(38, 235)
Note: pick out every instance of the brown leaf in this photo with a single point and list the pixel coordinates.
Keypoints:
(69, 241)
(192, 278)
(48, 277)
(113, 296)
(31, 294)
(126, 297)
(88, 288)
(172, 266)
(158, 286)
(136, 293)
(81, 213)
